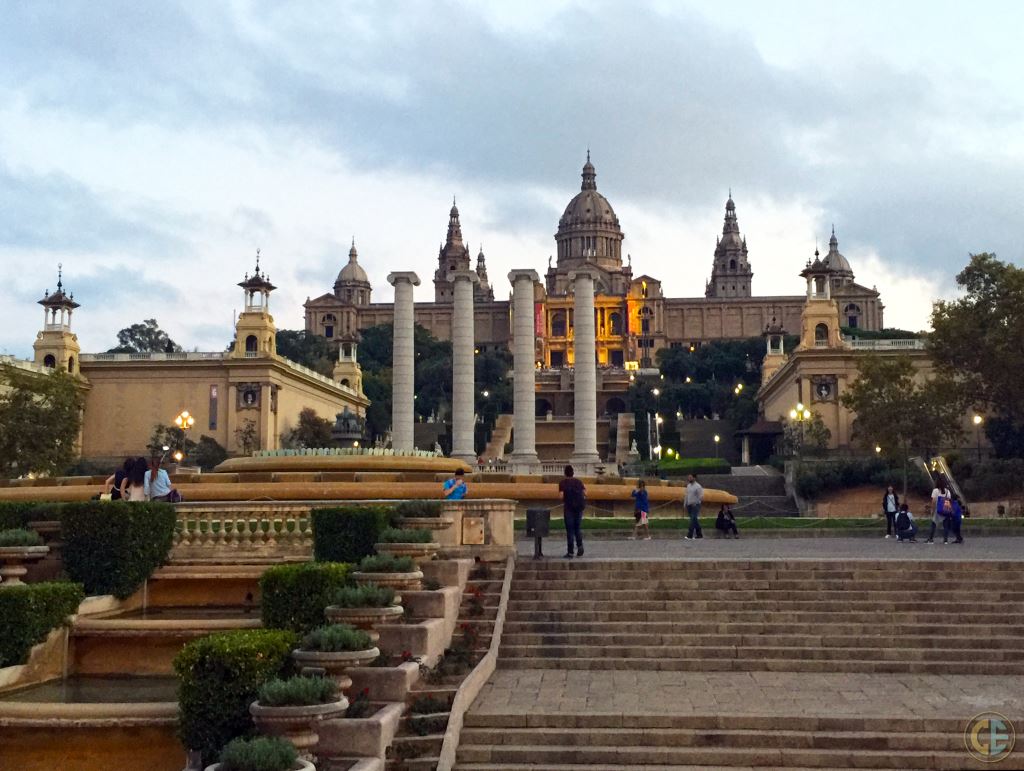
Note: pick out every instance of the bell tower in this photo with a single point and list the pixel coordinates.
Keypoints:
(347, 371)
(819, 322)
(731, 275)
(56, 346)
(255, 333)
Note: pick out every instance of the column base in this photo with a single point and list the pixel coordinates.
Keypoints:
(586, 464)
(468, 458)
(527, 463)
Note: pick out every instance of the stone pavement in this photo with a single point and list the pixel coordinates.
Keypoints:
(712, 548)
(532, 691)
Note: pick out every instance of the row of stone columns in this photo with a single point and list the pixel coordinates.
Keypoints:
(524, 457)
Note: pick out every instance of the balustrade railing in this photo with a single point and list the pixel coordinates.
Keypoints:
(249, 529)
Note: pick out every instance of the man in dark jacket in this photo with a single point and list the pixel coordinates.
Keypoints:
(574, 500)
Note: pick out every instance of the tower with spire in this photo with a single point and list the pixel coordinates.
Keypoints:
(483, 292)
(255, 333)
(56, 346)
(452, 256)
(731, 275)
(353, 285)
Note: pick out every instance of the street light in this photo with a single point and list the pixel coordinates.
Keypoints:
(717, 440)
(978, 420)
(801, 415)
(656, 392)
(184, 420)
(486, 394)
(878, 449)
(689, 379)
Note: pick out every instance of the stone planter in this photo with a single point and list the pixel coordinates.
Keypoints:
(420, 552)
(335, 663)
(425, 523)
(13, 559)
(299, 725)
(412, 581)
(300, 765)
(367, 619)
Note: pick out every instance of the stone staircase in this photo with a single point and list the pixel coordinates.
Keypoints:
(614, 619)
(501, 435)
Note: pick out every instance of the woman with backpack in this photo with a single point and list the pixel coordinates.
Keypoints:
(942, 509)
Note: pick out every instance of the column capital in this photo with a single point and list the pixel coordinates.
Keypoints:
(521, 274)
(582, 271)
(469, 275)
(403, 275)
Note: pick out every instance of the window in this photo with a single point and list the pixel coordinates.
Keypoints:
(821, 334)
(328, 331)
(853, 314)
(617, 359)
(49, 361)
(645, 325)
(732, 264)
(71, 364)
(557, 358)
(615, 321)
(213, 408)
(251, 344)
(558, 324)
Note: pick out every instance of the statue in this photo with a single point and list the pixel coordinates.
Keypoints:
(348, 427)
(437, 449)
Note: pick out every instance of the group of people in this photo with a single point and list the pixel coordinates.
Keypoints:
(139, 479)
(946, 509)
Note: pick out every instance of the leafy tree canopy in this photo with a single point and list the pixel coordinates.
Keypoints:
(308, 349)
(146, 337)
(40, 418)
(311, 431)
(977, 339)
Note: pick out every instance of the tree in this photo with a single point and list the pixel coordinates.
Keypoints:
(40, 418)
(808, 437)
(311, 431)
(248, 436)
(308, 349)
(977, 342)
(901, 414)
(146, 337)
(206, 453)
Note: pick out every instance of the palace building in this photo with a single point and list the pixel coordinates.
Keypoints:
(634, 319)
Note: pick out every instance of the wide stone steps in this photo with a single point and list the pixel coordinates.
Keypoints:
(837, 585)
(876, 626)
(648, 640)
(733, 616)
(935, 603)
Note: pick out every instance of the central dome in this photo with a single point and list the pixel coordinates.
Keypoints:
(588, 230)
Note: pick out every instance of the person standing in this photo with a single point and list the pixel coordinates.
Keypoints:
(942, 507)
(693, 498)
(641, 510)
(890, 505)
(455, 489)
(157, 481)
(574, 500)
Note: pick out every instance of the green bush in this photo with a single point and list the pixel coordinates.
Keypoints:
(113, 547)
(29, 612)
(298, 691)
(219, 676)
(347, 533)
(335, 638)
(429, 705)
(988, 480)
(366, 596)
(681, 467)
(818, 478)
(17, 514)
(385, 563)
(294, 596)
(431, 509)
(397, 535)
(20, 537)
(264, 753)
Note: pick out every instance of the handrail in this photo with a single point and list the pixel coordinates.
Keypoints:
(474, 682)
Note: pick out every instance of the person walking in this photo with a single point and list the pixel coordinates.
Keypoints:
(906, 528)
(692, 500)
(641, 510)
(941, 507)
(890, 506)
(157, 481)
(574, 500)
(133, 487)
(726, 522)
(116, 480)
(455, 489)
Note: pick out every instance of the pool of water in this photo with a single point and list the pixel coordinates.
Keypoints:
(184, 613)
(99, 689)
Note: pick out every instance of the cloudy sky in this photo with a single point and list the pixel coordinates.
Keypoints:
(151, 147)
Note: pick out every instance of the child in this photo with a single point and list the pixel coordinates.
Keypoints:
(641, 508)
(726, 522)
(906, 529)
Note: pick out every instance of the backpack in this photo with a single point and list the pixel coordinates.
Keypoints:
(903, 521)
(575, 500)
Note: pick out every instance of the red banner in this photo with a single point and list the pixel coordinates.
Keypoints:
(538, 319)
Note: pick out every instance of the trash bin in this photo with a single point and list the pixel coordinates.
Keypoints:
(538, 524)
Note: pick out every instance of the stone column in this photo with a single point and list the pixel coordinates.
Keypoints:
(403, 373)
(524, 395)
(463, 378)
(584, 455)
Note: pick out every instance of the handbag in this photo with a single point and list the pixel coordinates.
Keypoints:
(106, 497)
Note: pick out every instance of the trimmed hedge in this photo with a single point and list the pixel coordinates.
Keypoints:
(816, 478)
(686, 466)
(29, 612)
(17, 514)
(264, 753)
(432, 509)
(348, 533)
(112, 547)
(219, 676)
(294, 596)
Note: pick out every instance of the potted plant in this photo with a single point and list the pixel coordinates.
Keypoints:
(364, 606)
(407, 542)
(428, 515)
(292, 708)
(16, 548)
(335, 648)
(385, 570)
(264, 753)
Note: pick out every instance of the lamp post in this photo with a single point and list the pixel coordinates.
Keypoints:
(184, 421)
(978, 420)
(800, 414)
(717, 440)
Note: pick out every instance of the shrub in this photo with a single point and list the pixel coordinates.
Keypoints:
(294, 596)
(432, 509)
(816, 479)
(113, 547)
(219, 676)
(367, 596)
(17, 514)
(397, 535)
(347, 533)
(335, 638)
(298, 691)
(385, 563)
(428, 705)
(264, 753)
(29, 612)
(20, 537)
(686, 466)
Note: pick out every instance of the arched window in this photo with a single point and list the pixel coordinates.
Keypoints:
(344, 381)
(251, 344)
(853, 314)
(71, 364)
(328, 322)
(821, 334)
(543, 408)
(732, 264)
(558, 324)
(49, 361)
(615, 322)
